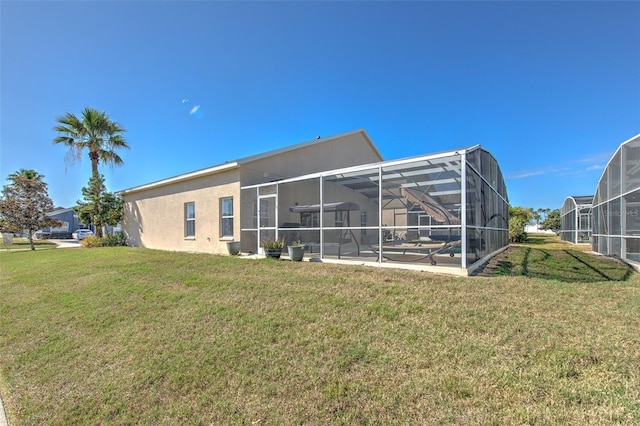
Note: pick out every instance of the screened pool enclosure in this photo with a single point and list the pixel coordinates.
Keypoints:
(445, 210)
(575, 220)
(616, 205)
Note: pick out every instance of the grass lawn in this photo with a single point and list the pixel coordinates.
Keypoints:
(130, 336)
(23, 243)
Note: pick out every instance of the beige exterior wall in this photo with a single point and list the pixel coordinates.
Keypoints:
(155, 213)
(350, 150)
(155, 218)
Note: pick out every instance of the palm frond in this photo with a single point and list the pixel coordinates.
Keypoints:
(94, 132)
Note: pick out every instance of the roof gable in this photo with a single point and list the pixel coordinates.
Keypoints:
(317, 141)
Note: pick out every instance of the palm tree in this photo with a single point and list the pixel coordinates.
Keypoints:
(96, 133)
(30, 175)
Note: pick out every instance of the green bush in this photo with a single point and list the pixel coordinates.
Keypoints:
(116, 239)
(92, 242)
(519, 217)
(516, 231)
(109, 240)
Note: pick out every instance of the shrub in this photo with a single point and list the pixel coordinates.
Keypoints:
(116, 239)
(92, 242)
(518, 219)
(516, 232)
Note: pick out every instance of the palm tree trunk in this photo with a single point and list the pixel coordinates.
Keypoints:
(94, 156)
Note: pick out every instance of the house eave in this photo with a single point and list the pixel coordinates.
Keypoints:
(239, 162)
(181, 178)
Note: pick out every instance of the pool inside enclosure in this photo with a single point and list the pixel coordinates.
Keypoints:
(445, 210)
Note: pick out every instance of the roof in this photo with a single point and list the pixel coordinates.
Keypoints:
(428, 158)
(633, 140)
(364, 178)
(59, 211)
(582, 199)
(229, 165)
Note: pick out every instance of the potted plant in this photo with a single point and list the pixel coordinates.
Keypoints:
(273, 248)
(233, 247)
(296, 251)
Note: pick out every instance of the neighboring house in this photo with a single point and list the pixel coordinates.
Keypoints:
(446, 211)
(68, 223)
(533, 228)
(616, 204)
(575, 219)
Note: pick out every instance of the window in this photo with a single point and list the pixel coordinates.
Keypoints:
(363, 222)
(226, 217)
(310, 220)
(190, 219)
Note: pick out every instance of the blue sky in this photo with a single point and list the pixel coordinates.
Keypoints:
(551, 89)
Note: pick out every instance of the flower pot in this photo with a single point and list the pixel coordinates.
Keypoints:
(233, 247)
(296, 253)
(273, 253)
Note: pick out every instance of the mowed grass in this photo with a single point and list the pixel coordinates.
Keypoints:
(23, 243)
(136, 336)
(545, 256)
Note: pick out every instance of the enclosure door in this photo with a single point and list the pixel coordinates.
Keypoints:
(267, 220)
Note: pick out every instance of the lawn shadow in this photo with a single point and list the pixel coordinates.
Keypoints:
(598, 271)
(525, 261)
(537, 240)
(555, 263)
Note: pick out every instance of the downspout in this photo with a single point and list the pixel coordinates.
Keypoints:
(276, 215)
(380, 215)
(463, 207)
(322, 217)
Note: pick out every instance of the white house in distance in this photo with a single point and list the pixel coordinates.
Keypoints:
(446, 212)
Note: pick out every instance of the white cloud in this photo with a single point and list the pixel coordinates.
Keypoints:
(574, 167)
(525, 174)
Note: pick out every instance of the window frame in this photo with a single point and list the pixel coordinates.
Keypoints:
(226, 217)
(189, 221)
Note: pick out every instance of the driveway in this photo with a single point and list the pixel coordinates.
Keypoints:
(67, 243)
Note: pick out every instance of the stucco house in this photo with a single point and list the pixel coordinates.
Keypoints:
(200, 211)
(446, 212)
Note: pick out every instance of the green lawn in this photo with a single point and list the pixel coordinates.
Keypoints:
(546, 257)
(131, 336)
(23, 244)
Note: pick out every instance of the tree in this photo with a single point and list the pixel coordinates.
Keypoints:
(553, 221)
(99, 206)
(537, 216)
(543, 212)
(25, 203)
(96, 133)
(518, 218)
